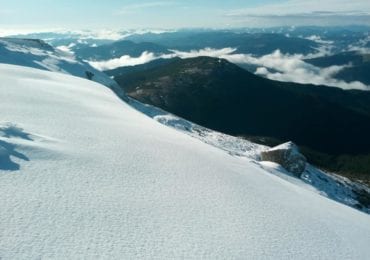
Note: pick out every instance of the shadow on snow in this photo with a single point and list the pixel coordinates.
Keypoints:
(8, 150)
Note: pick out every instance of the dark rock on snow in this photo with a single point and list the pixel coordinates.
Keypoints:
(288, 156)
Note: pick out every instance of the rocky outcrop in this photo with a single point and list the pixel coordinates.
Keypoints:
(288, 156)
(89, 75)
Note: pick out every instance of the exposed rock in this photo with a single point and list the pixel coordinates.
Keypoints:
(89, 75)
(288, 156)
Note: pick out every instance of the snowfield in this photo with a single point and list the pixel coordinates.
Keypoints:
(327, 184)
(38, 54)
(83, 176)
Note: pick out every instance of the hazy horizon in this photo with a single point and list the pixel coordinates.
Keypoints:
(175, 14)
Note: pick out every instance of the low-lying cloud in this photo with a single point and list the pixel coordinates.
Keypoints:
(145, 57)
(275, 66)
(362, 46)
(307, 8)
(66, 48)
(293, 68)
(209, 52)
(124, 61)
(301, 12)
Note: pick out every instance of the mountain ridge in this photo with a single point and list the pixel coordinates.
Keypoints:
(142, 190)
(222, 96)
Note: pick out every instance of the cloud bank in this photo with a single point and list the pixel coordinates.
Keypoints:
(275, 66)
(145, 57)
(209, 52)
(362, 46)
(303, 12)
(312, 8)
(124, 61)
(280, 67)
(66, 48)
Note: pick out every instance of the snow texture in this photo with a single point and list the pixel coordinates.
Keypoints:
(103, 181)
(327, 184)
(38, 54)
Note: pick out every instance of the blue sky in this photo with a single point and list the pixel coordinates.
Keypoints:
(126, 14)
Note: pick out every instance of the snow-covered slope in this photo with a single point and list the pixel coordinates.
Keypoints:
(38, 54)
(327, 184)
(83, 175)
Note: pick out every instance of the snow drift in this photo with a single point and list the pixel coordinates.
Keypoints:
(97, 179)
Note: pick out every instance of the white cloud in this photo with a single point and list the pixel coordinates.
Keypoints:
(317, 8)
(361, 46)
(288, 68)
(209, 52)
(318, 39)
(275, 66)
(66, 48)
(146, 57)
(303, 12)
(4, 32)
(103, 34)
(360, 50)
(123, 61)
(82, 35)
(292, 68)
(325, 47)
(262, 71)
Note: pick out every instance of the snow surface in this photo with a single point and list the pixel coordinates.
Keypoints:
(38, 54)
(286, 146)
(87, 176)
(230, 144)
(327, 184)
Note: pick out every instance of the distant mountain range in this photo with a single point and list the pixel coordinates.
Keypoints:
(222, 96)
(327, 45)
(118, 49)
(134, 46)
(258, 44)
(358, 70)
(330, 123)
(299, 40)
(84, 174)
